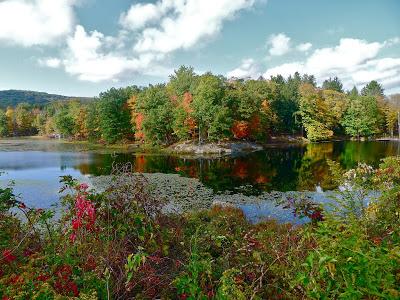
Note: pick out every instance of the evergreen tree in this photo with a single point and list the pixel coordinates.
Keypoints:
(333, 84)
(373, 89)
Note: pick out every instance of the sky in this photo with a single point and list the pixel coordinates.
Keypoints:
(83, 47)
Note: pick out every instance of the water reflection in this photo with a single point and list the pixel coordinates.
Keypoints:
(282, 169)
(278, 168)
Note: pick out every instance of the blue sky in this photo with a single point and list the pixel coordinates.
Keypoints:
(83, 47)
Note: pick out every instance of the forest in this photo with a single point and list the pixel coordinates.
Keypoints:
(209, 108)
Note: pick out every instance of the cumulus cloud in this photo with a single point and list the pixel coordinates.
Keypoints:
(181, 24)
(35, 22)
(279, 44)
(89, 58)
(303, 47)
(355, 61)
(149, 33)
(247, 69)
(140, 15)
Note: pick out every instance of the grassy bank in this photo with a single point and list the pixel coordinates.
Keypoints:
(119, 244)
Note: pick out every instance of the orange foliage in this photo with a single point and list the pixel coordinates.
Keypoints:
(261, 179)
(240, 169)
(255, 124)
(139, 134)
(187, 99)
(240, 129)
(140, 163)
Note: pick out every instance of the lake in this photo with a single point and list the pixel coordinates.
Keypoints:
(35, 166)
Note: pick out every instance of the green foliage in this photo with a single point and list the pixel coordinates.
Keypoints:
(115, 119)
(207, 101)
(156, 107)
(64, 123)
(3, 124)
(361, 118)
(14, 97)
(373, 89)
(333, 84)
(347, 265)
(183, 80)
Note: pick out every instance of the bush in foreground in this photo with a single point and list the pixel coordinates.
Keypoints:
(119, 245)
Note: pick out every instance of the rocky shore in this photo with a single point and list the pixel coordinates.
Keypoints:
(221, 148)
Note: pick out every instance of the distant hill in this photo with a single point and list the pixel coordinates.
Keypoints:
(13, 97)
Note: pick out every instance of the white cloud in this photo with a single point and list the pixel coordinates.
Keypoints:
(285, 70)
(35, 22)
(354, 61)
(149, 33)
(140, 15)
(50, 62)
(247, 69)
(182, 24)
(279, 44)
(304, 47)
(88, 57)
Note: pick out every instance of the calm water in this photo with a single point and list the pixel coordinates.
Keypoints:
(36, 165)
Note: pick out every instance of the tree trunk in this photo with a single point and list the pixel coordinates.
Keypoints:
(199, 134)
(398, 123)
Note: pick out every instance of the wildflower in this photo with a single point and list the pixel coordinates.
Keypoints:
(72, 237)
(8, 256)
(76, 224)
(83, 186)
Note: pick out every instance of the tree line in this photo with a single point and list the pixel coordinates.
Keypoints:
(207, 108)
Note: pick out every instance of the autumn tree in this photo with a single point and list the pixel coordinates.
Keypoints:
(315, 114)
(180, 88)
(3, 124)
(11, 122)
(24, 119)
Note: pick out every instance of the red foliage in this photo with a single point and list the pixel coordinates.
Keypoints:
(63, 284)
(8, 257)
(43, 277)
(85, 213)
(240, 129)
